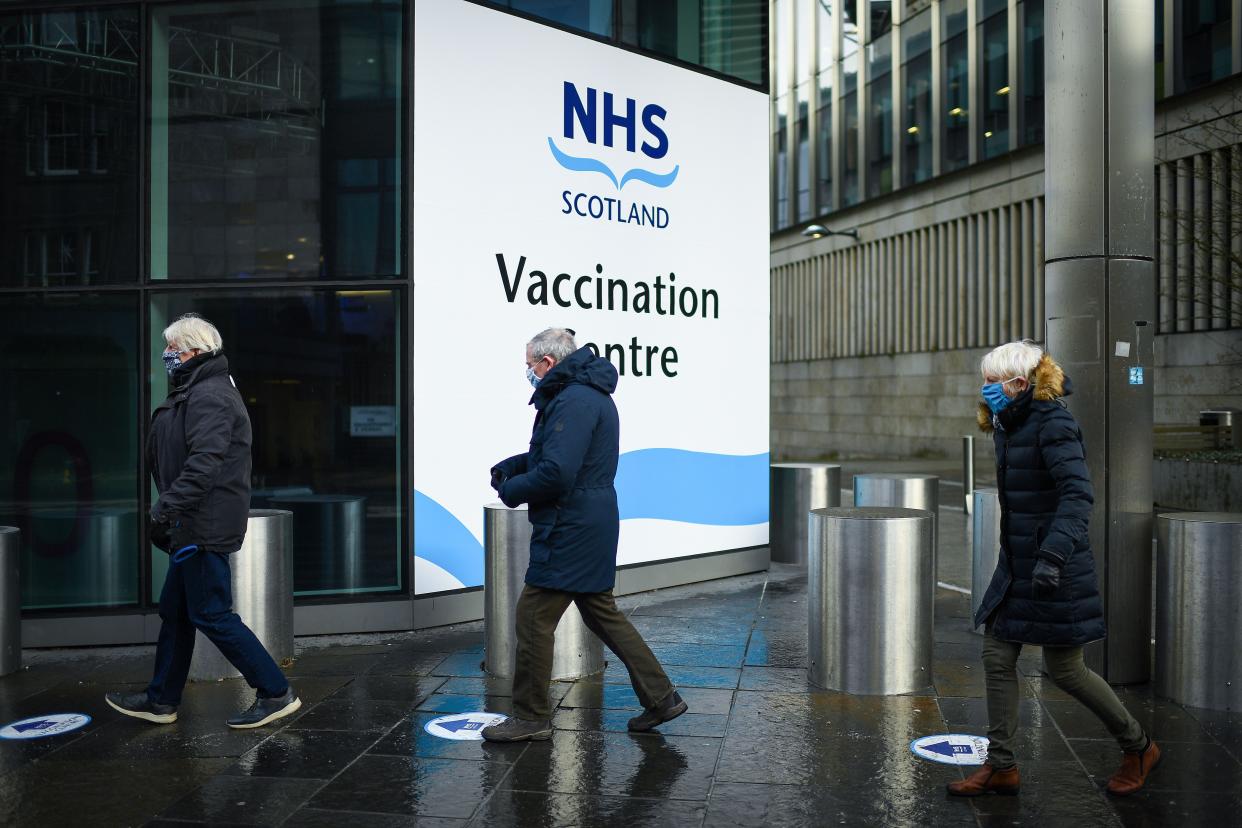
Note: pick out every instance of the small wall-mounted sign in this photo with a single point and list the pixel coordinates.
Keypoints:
(1136, 375)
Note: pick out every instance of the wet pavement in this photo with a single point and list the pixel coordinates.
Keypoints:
(759, 747)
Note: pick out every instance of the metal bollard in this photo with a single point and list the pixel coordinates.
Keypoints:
(328, 539)
(262, 573)
(506, 544)
(903, 491)
(797, 488)
(10, 600)
(968, 471)
(871, 593)
(1199, 609)
(985, 541)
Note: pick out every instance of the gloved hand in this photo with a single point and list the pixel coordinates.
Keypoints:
(1046, 579)
(498, 477)
(160, 534)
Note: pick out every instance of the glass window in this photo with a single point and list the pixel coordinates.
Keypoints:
(593, 16)
(780, 142)
(827, 49)
(735, 38)
(69, 86)
(1205, 50)
(849, 106)
(994, 84)
(881, 12)
(780, 22)
(823, 147)
(320, 373)
(916, 85)
(803, 137)
(880, 116)
(69, 447)
(955, 92)
(1159, 9)
(1032, 112)
(276, 140)
(804, 34)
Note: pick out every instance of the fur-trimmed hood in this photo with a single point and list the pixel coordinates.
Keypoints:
(1051, 385)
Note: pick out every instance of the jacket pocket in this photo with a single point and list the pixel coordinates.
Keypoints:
(542, 522)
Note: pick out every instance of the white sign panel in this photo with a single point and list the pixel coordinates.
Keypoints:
(952, 749)
(372, 421)
(463, 727)
(559, 181)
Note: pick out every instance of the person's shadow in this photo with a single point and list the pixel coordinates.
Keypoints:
(660, 767)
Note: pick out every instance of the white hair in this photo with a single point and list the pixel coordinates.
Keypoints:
(1013, 359)
(194, 333)
(557, 343)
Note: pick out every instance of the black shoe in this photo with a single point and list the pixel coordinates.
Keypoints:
(519, 730)
(140, 706)
(665, 711)
(265, 711)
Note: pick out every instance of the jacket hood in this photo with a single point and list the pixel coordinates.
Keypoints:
(1051, 384)
(582, 367)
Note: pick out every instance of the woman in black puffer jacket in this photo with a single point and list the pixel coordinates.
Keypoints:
(1044, 590)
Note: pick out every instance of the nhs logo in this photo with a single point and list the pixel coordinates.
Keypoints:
(595, 118)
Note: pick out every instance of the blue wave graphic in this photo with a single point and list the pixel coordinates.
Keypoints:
(693, 487)
(579, 164)
(441, 538)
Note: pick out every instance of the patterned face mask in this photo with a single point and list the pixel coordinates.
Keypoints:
(171, 360)
(532, 377)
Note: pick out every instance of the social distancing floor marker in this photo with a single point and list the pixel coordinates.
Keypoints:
(463, 727)
(39, 727)
(952, 748)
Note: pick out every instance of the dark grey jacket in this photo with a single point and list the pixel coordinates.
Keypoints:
(199, 455)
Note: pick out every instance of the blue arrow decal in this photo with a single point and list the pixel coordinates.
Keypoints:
(454, 725)
(42, 724)
(942, 748)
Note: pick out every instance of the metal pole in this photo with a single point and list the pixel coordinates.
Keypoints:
(968, 472)
(262, 578)
(506, 548)
(1100, 291)
(10, 600)
(871, 586)
(797, 488)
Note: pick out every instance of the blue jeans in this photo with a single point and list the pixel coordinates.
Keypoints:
(198, 594)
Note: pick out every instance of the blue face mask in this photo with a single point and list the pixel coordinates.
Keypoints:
(993, 394)
(532, 376)
(171, 360)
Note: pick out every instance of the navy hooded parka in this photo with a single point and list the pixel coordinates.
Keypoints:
(1046, 499)
(567, 477)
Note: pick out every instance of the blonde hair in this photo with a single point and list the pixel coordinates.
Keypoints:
(194, 333)
(1013, 359)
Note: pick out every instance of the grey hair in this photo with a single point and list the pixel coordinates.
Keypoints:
(194, 333)
(557, 343)
(1012, 360)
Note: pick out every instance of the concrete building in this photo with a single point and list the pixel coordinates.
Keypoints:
(920, 125)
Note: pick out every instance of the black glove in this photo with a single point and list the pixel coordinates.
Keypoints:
(1046, 579)
(161, 536)
(498, 477)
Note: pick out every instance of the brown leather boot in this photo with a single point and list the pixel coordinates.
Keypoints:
(1135, 767)
(987, 780)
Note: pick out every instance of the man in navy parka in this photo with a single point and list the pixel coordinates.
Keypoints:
(567, 480)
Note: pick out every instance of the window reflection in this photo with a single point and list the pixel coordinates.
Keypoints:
(780, 142)
(849, 106)
(880, 116)
(803, 137)
(916, 126)
(69, 86)
(1032, 112)
(69, 446)
(994, 90)
(1205, 54)
(955, 90)
(275, 140)
(320, 374)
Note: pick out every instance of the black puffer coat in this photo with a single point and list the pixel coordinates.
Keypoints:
(567, 477)
(199, 452)
(1045, 499)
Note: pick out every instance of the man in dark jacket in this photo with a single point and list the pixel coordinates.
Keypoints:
(567, 480)
(1044, 590)
(199, 454)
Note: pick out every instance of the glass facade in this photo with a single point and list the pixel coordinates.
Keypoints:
(994, 88)
(916, 85)
(972, 121)
(70, 87)
(955, 86)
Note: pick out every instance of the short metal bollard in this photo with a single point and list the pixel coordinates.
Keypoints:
(328, 539)
(797, 488)
(985, 544)
(903, 491)
(506, 544)
(262, 573)
(1199, 609)
(968, 472)
(871, 593)
(10, 600)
